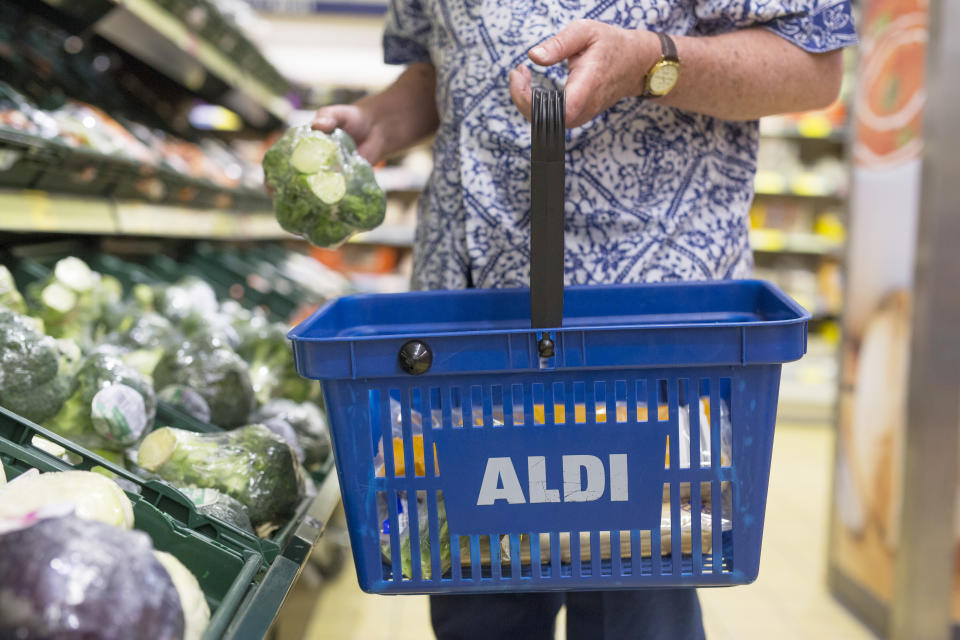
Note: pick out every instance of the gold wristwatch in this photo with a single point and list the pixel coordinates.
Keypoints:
(663, 75)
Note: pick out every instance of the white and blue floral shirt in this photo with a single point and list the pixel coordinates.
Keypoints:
(652, 192)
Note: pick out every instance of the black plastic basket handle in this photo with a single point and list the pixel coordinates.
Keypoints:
(547, 179)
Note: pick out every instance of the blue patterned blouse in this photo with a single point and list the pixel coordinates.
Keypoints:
(653, 193)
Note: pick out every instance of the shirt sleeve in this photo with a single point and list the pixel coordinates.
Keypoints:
(407, 33)
(813, 25)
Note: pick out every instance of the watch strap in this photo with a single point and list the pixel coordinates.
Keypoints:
(668, 47)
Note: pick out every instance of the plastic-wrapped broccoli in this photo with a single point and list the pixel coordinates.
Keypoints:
(218, 374)
(9, 295)
(72, 299)
(308, 422)
(323, 189)
(111, 407)
(251, 464)
(36, 371)
(265, 347)
(189, 296)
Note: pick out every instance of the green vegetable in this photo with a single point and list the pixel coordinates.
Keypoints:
(27, 358)
(308, 422)
(72, 300)
(251, 464)
(9, 296)
(218, 374)
(423, 528)
(96, 416)
(269, 354)
(189, 296)
(323, 190)
(187, 400)
(93, 496)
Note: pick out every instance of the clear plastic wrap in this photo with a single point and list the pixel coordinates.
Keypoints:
(219, 505)
(214, 371)
(251, 464)
(323, 189)
(309, 423)
(68, 577)
(112, 406)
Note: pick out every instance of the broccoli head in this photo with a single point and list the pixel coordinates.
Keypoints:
(217, 373)
(323, 190)
(251, 464)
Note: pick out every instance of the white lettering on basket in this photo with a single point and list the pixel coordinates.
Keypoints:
(500, 480)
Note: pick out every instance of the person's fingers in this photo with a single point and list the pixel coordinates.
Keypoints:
(341, 116)
(571, 40)
(579, 89)
(520, 90)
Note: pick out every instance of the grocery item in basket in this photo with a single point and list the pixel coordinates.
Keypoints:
(251, 464)
(9, 295)
(211, 502)
(67, 577)
(96, 416)
(90, 495)
(323, 189)
(214, 371)
(309, 423)
(196, 612)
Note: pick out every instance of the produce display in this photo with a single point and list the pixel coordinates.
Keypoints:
(98, 385)
(323, 189)
(71, 566)
(80, 125)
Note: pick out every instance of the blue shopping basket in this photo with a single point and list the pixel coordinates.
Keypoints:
(624, 445)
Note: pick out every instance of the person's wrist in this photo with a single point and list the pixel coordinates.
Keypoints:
(645, 51)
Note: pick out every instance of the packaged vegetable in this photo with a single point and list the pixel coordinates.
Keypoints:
(251, 464)
(309, 423)
(92, 496)
(196, 612)
(323, 189)
(66, 577)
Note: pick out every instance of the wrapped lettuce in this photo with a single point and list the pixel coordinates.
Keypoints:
(323, 189)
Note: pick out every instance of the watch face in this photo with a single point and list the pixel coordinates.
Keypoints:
(663, 78)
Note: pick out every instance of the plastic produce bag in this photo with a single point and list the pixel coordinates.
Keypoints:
(323, 189)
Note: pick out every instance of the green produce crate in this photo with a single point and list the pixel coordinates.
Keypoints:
(19, 432)
(229, 577)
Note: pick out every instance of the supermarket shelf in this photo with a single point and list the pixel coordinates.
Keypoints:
(41, 212)
(777, 241)
(163, 40)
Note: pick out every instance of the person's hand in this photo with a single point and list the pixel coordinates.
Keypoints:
(357, 121)
(607, 64)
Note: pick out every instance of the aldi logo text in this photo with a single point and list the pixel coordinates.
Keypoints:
(585, 478)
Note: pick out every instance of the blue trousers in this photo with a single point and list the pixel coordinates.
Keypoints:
(669, 614)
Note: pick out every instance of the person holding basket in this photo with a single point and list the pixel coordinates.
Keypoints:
(662, 102)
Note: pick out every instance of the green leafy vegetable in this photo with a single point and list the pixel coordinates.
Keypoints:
(251, 464)
(323, 190)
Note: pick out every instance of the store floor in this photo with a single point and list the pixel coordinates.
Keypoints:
(789, 600)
